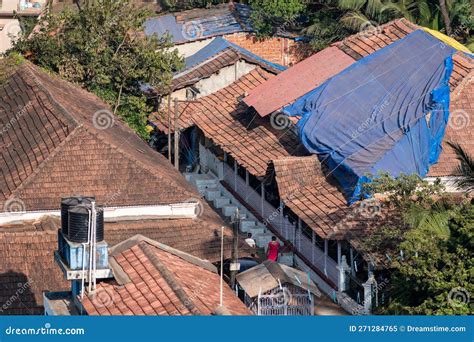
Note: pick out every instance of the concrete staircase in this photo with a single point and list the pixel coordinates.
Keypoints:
(222, 200)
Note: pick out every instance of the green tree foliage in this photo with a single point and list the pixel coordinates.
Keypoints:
(332, 20)
(270, 16)
(432, 249)
(178, 5)
(101, 48)
(465, 168)
(436, 275)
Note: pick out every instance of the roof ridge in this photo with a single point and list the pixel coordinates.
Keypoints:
(466, 81)
(138, 238)
(30, 69)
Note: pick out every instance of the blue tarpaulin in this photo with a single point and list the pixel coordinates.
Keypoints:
(219, 44)
(386, 112)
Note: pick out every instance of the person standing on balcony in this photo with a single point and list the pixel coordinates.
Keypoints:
(273, 249)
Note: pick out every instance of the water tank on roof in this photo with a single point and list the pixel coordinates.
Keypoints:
(78, 222)
(68, 203)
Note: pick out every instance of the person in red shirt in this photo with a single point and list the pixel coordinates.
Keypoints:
(273, 248)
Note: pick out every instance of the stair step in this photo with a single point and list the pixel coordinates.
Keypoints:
(262, 240)
(246, 225)
(212, 194)
(220, 202)
(229, 210)
(257, 230)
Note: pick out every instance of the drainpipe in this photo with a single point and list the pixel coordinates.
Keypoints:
(235, 175)
(325, 256)
(299, 234)
(339, 252)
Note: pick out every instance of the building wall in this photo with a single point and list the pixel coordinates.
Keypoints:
(217, 81)
(189, 49)
(283, 51)
(223, 78)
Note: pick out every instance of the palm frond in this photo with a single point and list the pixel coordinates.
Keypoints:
(351, 5)
(466, 167)
(354, 20)
(374, 9)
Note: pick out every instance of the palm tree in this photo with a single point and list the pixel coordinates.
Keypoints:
(466, 167)
(446, 19)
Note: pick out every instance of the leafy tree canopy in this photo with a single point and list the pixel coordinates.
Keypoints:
(327, 21)
(432, 250)
(101, 48)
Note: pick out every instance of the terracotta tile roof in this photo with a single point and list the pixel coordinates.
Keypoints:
(306, 191)
(460, 129)
(251, 140)
(320, 204)
(26, 251)
(27, 269)
(293, 83)
(51, 148)
(162, 281)
(186, 111)
(363, 44)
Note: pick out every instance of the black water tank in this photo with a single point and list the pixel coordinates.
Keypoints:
(79, 223)
(68, 203)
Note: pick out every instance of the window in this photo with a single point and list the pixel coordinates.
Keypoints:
(306, 231)
(230, 161)
(255, 183)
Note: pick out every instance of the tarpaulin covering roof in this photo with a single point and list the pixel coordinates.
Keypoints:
(220, 44)
(201, 23)
(387, 112)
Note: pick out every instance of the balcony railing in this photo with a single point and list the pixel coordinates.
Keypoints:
(289, 231)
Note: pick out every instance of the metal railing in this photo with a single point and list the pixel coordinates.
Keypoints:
(304, 245)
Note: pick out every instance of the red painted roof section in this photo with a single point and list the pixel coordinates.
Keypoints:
(298, 80)
(313, 71)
